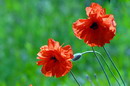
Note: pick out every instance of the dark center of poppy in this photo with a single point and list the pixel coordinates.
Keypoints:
(94, 26)
(54, 58)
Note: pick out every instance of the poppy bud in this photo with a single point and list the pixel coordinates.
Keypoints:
(77, 56)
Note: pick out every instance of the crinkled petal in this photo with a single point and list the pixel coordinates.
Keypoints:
(53, 44)
(46, 73)
(80, 27)
(95, 10)
(55, 59)
(64, 68)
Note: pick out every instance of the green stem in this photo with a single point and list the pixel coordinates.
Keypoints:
(109, 68)
(88, 52)
(114, 65)
(102, 67)
(75, 78)
(105, 63)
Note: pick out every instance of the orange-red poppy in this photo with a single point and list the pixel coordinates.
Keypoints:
(55, 59)
(98, 29)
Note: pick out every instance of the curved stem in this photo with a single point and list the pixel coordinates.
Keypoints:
(75, 78)
(87, 52)
(114, 65)
(102, 67)
(109, 68)
(90, 52)
(105, 63)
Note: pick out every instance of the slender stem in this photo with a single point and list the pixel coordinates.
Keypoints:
(105, 63)
(109, 68)
(90, 52)
(75, 78)
(102, 67)
(87, 52)
(114, 65)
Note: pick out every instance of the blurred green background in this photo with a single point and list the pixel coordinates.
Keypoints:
(26, 25)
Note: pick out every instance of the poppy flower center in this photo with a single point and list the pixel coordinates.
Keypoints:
(54, 59)
(94, 26)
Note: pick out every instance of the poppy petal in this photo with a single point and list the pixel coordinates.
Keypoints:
(55, 59)
(98, 29)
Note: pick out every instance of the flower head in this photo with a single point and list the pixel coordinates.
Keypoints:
(98, 29)
(55, 59)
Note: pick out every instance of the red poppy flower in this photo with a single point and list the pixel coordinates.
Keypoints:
(98, 29)
(55, 59)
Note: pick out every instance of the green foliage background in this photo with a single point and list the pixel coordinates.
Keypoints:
(26, 25)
